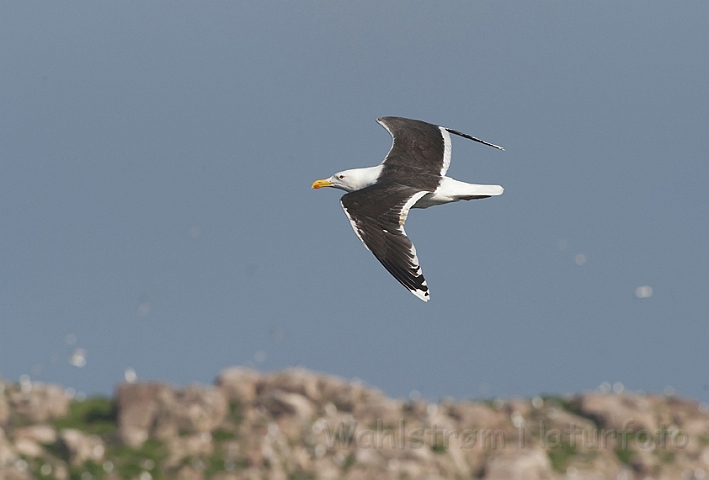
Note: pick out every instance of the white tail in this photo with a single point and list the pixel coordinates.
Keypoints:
(456, 189)
(452, 191)
(490, 190)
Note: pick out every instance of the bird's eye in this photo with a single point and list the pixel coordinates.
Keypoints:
(341, 177)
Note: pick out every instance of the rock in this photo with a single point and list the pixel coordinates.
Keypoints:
(340, 393)
(226, 476)
(182, 447)
(8, 455)
(4, 407)
(45, 434)
(39, 402)
(618, 412)
(28, 447)
(29, 440)
(239, 384)
(285, 425)
(477, 415)
(410, 469)
(357, 473)
(369, 457)
(294, 380)
(254, 455)
(62, 473)
(326, 469)
(280, 403)
(82, 447)
(138, 405)
(522, 464)
(189, 473)
(151, 407)
(696, 427)
(195, 409)
(384, 411)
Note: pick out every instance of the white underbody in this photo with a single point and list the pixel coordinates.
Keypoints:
(451, 190)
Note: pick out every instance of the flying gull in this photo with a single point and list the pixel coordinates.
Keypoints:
(412, 175)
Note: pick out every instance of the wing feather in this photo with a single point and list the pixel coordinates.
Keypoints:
(420, 152)
(377, 215)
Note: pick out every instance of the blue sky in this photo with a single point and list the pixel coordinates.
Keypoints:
(156, 211)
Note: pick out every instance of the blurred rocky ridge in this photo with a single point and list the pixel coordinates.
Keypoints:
(296, 424)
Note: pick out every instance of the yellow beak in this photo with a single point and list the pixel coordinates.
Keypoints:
(322, 183)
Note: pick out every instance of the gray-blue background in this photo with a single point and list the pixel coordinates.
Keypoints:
(156, 210)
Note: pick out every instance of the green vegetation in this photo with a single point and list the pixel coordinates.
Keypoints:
(95, 415)
(301, 475)
(480, 472)
(438, 447)
(490, 402)
(223, 435)
(235, 412)
(96, 471)
(215, 464)
(560, 456)
(131, 462)
(58, 450)
(349, 461)
(625, 455)
(667, 457)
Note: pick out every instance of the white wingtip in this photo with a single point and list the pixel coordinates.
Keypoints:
(421, 294)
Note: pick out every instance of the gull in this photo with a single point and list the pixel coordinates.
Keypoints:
(412, 175)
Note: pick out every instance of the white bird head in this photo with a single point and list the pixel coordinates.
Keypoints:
(351, 180)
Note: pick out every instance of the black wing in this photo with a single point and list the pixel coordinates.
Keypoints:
(377, 214)
(420, 153)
